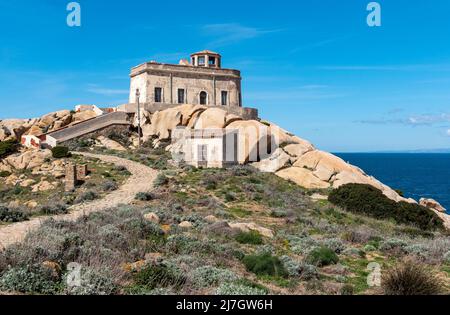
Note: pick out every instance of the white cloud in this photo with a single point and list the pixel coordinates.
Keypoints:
(230, 33)
(448, 132)
(107, 92)
(428, 119)
(413, 67)
(417, 120)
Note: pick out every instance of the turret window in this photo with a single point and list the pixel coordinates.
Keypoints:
(201, 60)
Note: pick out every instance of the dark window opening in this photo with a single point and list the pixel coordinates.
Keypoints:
(181, 96)
(203, 98)
(224, 98)
(212, 61)
(158, 95)
(201, 61)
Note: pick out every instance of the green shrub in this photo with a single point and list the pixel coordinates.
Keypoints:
(11, 215)
(308, 272)
(410, 278)
(158, 276)
(29, 279)
(239, 289)
(60, 152)
(161, 180)
(144, 196)
(8, 147)
(348, 289)
(110, 186)
(54, 209)
(86, 196)
(265, 264)
(229, 197)
(279, 213)
(369, 248)
(252, 237)
(334, 244)
(393, 244)
(208, 276)
(322, 256)
(94, 283)
(4, 174)
(292, 267)
(370, 201)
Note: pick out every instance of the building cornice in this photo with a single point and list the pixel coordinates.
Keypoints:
(182, 69)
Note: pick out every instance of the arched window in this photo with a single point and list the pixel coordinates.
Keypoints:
(203, 98)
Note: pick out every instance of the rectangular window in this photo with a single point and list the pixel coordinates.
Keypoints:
(158, 95)
(224, 98)
(201, 61)
(181, 96)
(212, 61)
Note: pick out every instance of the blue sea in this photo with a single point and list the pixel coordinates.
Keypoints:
(417, 175)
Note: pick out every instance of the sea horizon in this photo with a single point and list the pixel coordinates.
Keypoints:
(417, 175)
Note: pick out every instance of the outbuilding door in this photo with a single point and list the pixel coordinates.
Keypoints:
(202, 155)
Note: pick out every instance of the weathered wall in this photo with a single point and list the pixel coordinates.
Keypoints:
(192, 79)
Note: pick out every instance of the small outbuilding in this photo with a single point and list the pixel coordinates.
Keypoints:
(208, 148)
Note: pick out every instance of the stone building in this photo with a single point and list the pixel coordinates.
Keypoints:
(208, 148)
(202, 80)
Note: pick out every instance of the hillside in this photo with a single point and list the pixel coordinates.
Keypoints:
(267, 227)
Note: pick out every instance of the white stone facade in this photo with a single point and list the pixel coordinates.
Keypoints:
(202, 81)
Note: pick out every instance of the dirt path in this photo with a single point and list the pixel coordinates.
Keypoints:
(141, 180)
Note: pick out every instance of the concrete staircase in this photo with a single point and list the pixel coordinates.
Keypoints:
(85, 127)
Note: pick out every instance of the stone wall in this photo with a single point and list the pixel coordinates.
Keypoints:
(192, 80)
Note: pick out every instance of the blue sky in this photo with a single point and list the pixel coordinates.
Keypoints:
(313, 67)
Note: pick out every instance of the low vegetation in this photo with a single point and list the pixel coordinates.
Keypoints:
(8, 147)
(25, 201)
(368, 200)
(411, 278)
(322, 256)
(314, 247)
(60, 152)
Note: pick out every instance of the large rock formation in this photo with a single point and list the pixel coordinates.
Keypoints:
(15, 128)
(267, 147)
(263, 144)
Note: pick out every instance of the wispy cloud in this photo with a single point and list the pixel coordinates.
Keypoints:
(321, 43)
(301, 93)
(231, 33)
(448, 132)
(107, 92)
(416, 67)
(415, 120)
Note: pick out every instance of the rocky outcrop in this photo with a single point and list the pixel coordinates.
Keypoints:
(265, 145)
(16, 128)
(432, 204)
(302, 177)
(110, 144)
(268, 147)
(84, 115)
(251, 226)
(28, 159)
(276, 161)
(212, 118)
(44, 186)
(163, 122)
